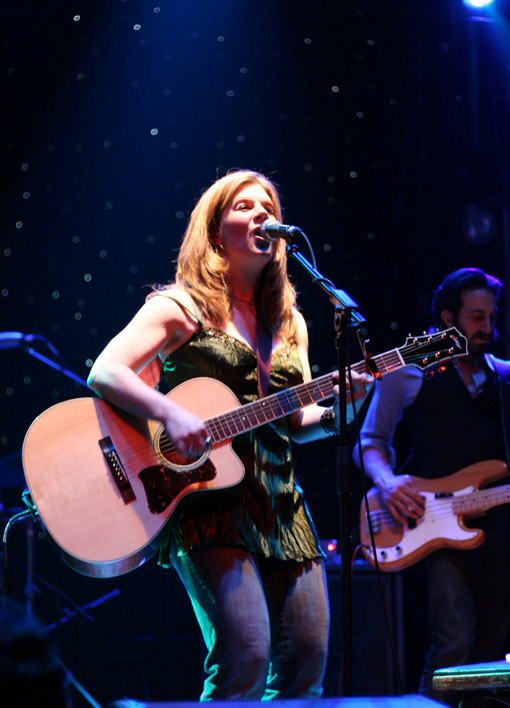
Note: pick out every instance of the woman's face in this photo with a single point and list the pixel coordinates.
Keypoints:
(240, 226)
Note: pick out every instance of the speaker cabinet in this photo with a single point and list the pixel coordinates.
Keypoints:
(375, 664)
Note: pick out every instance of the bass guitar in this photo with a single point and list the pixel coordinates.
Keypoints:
(449, 502)
(105, 483)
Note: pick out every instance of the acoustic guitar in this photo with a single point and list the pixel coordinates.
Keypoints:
(105, 483)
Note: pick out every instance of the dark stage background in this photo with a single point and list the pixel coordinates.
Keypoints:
(384, 123)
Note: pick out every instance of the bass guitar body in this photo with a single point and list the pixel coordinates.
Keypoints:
(449, 502)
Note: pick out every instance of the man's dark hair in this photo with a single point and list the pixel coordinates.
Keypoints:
(448, 295)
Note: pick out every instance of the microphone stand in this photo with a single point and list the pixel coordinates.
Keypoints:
(54, 365)
(346, 314)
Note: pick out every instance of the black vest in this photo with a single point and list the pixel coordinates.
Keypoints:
(450, 430)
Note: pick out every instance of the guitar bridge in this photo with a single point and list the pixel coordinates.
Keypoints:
(117, 470)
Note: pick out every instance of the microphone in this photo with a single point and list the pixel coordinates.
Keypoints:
(10, 340)
(272, 230)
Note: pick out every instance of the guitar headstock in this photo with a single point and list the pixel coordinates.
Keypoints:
(429, 349)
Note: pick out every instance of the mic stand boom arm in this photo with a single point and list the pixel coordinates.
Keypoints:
(338, 297)
(54, 365)
(346, 313)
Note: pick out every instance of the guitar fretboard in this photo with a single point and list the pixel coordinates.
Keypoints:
(420, 351)
(283, 403)
(481, 500)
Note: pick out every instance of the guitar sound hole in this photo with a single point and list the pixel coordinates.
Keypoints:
(168, 454)
(175, 458)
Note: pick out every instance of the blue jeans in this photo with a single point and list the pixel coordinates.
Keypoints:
(265, 623)
(469, 601)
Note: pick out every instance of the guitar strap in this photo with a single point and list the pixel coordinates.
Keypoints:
(264, 348)
(502, 370)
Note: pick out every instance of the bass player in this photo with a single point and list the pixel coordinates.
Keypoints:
(453, 419)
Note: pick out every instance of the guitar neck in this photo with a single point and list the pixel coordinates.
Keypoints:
(481, 500)
(278, 405)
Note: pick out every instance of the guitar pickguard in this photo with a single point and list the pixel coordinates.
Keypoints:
(438, 522)
(163, 485)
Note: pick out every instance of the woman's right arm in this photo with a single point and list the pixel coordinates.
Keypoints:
(159, 327)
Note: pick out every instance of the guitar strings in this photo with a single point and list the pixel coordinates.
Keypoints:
(262, 411)
(442, 508)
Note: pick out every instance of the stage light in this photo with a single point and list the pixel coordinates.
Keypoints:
(478, 3)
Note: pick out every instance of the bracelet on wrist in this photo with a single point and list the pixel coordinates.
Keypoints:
(328, 422)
